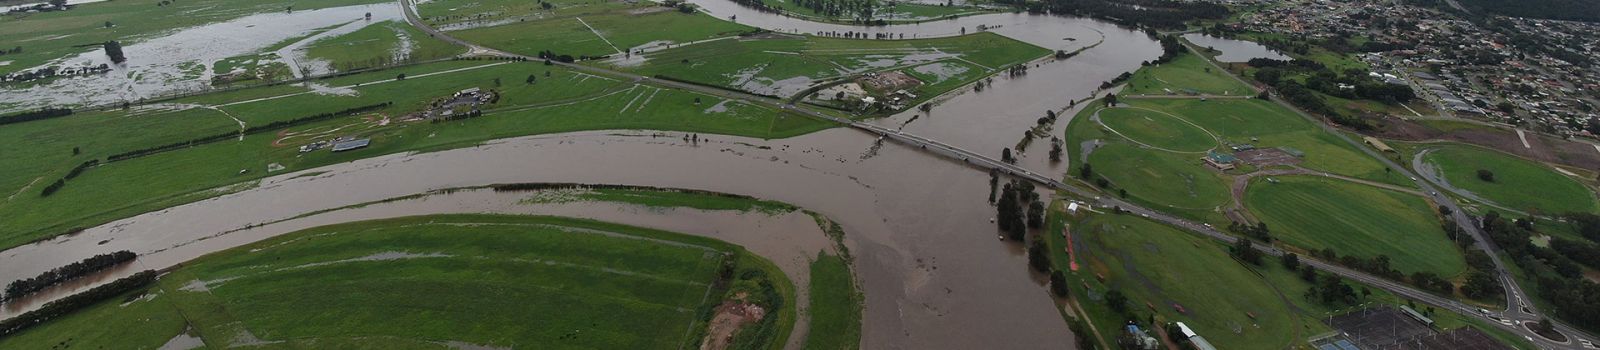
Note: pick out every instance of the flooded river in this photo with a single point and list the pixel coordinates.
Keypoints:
(918, 224)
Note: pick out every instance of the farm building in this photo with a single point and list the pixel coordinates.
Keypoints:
(1221, 161)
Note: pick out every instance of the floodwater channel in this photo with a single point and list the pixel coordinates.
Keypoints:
(918, 225)
(1234, 50)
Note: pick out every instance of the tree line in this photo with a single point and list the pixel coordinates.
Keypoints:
(1161, 14)
(1556, 270)
(23, 287)
(62, 182)
(29, 116)
(74, 302)
(251, 130)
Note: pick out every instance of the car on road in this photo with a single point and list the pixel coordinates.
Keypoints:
(1586, 343)
(1483, 311)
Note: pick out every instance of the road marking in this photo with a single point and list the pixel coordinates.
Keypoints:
(1524, 136)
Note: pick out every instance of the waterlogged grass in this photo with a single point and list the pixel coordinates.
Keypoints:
(52, 35)
(835, 305)
(1358, 220)
(373, 46)
(1518, 183)
(418, 281)
(1186, 74)
(600, 31)
(559, 101)
(766, 65)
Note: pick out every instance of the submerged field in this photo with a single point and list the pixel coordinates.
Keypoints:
(1358, 220)
(1517, 183)
(785, 65)
(437, 281)
(598, 29)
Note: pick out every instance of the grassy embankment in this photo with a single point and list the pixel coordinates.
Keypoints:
(422, 281)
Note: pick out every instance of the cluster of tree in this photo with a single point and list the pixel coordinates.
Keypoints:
(1258, 231)
(1352, 83)
(1161, 14)
(58, 308)
(1330, 289)
(1568, 10)
(1112, 99)
(29, 116)
(1245, 250)
(1055, 148)
(548, 56)
(19, 288)
(1557, 274)
(114, 51)
(1170, 49)
(62, 182)
(1018, 209)
(1485, 175)
(1378, 265)
(251, 130)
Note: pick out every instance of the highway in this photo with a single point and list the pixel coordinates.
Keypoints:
(1516, 310)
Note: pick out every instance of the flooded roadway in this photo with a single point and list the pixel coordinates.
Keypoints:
(918, 224)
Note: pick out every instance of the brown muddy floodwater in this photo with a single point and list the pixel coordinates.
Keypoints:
(932, 271)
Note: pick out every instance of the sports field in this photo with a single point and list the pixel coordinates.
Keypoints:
(1355, 219)
(436, 281)
(1518, 183)
(1186, 74)
(1158, 129)
(1160, 268)
(1161, 179)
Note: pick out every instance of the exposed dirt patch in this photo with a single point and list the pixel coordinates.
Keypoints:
(1544, 148)
(731, 316)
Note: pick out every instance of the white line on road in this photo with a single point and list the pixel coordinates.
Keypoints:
(1524, 136)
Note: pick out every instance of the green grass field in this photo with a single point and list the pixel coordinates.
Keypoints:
(1355, 219)
(1162, 266)
(835, 307)
(1518, 183)
(561, 101)
(424, 281)
(1265, 124)
(1188, 73)
(1161, 179)
(378, 43)
(1158, 129)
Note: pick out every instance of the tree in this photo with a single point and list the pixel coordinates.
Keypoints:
(114, 51)
(75, 150)
(1111, 100)
(1245, 250)
(1086, 171)
(1485, 175)
(1036, 214)
(1481, 285)
(1290, 261)
(1039, 256)
(1058, 284)
(401, 76)
(532, 79)
(1055, 151)
(1005, 155)
(1117, 301)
